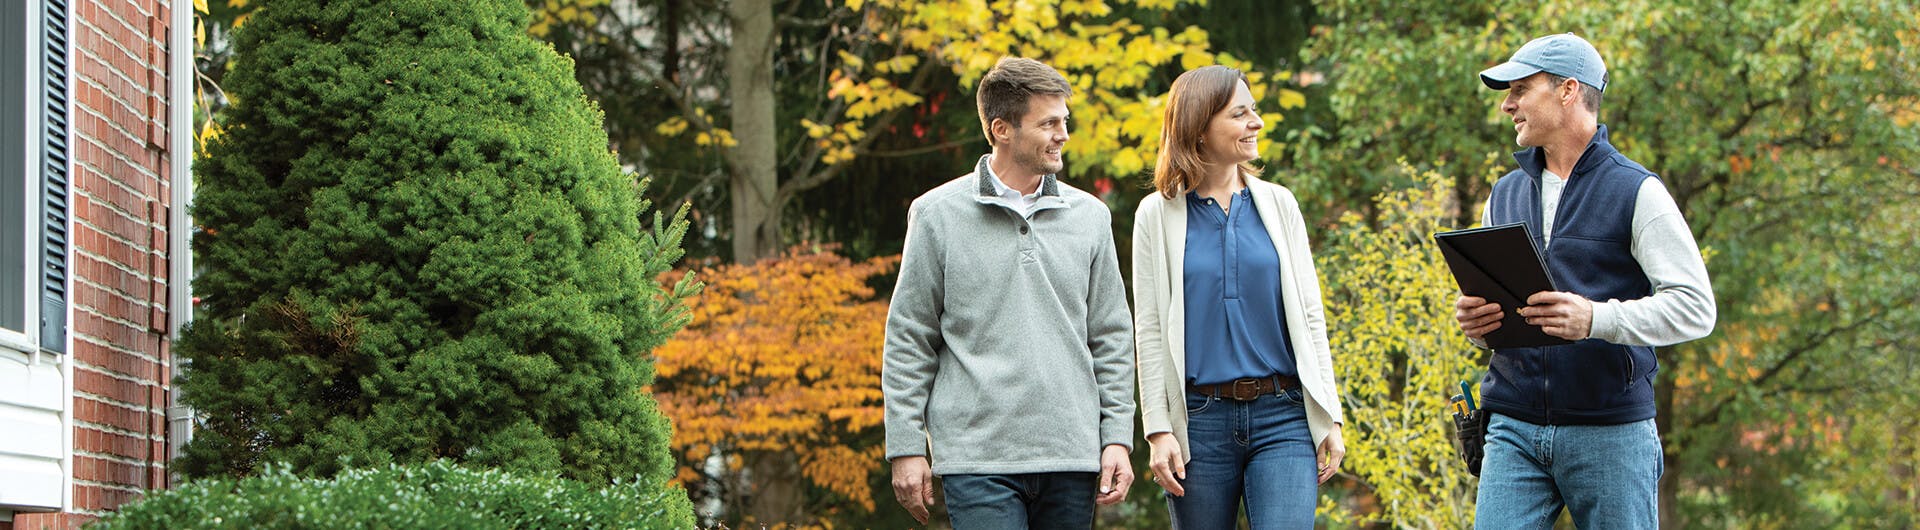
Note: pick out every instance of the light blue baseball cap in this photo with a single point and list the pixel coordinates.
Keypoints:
(1564, 55)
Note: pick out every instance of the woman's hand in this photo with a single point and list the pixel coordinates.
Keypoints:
(1169, 467)
(1332, 451)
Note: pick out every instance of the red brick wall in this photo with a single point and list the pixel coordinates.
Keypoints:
(120, 204)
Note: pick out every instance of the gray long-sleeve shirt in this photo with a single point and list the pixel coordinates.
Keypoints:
(1009, 344)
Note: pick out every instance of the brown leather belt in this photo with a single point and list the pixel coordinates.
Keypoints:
(1247, 389)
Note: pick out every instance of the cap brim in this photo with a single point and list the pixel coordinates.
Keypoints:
(1499, 77)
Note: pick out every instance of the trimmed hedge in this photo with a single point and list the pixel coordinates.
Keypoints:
(425, 496)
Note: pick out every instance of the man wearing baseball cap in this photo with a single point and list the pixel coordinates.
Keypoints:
(1572, 425)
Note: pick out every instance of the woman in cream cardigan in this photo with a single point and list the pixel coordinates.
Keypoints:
(1236, 382)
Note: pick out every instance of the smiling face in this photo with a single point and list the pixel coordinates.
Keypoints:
(1233, 134)
(1539, 109)
(1034, 146)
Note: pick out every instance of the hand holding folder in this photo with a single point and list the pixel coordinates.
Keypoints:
(1500, 264)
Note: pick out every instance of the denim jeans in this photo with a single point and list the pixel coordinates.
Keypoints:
(1258, 453)
(1607, 475)
(1013, 502)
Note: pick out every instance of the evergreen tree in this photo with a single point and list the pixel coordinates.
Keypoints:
(417, 245)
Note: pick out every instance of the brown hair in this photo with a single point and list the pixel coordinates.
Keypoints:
(1004, 91)
(1589, 96)
(1196, 96)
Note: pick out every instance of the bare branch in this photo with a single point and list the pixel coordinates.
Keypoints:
(813, 180)
(926, 149)
(710, 179)
(1712, 416)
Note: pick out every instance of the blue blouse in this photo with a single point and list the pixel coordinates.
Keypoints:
(1236, 325)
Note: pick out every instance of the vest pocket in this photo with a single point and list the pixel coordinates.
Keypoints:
(1595, 378)
(1641, 365)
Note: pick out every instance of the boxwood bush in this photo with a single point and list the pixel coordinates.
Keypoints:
(423, 496)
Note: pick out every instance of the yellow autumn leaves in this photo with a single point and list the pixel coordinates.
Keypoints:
(1112, 65)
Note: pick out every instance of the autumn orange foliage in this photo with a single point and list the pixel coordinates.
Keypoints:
(781, 356)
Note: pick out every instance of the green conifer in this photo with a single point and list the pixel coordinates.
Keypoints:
(415, 244)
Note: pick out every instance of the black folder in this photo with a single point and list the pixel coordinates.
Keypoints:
(1500, 264)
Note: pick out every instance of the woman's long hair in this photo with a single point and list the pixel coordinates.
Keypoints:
(1196, 96)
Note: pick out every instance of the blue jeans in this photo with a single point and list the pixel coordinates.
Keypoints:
(1012, 502)
(1607, 475)
(1257, 452)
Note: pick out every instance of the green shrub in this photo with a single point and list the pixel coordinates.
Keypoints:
(416, 245)
(424, 496)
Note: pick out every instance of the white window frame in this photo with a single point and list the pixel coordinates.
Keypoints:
(26, 341)
(33, 140)
(25, 346)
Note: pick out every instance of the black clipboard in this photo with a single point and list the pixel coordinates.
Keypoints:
(1500, 264)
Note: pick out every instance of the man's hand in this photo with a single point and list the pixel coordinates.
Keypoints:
(1477, 317)
(1332, 451)
(1169, 466)
(913, 485)
(1565, 315)
(1116, 475)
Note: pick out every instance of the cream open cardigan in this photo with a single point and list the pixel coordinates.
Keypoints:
(1159, 319)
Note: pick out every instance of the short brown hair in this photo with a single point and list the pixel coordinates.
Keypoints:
(1196, 96)
(1589, 96)
(1004, 91)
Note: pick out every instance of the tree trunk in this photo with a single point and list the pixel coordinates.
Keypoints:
(670, 42)
(1466, 193)
(777, 490)
(1903, 466)
(1667, 423)
(754, 177)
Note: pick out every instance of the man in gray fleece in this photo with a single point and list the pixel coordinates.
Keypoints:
(1009, 352)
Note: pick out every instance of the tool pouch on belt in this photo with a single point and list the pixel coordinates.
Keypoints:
(1471, 430)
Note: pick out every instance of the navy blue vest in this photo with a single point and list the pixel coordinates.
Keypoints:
(1590, 382)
